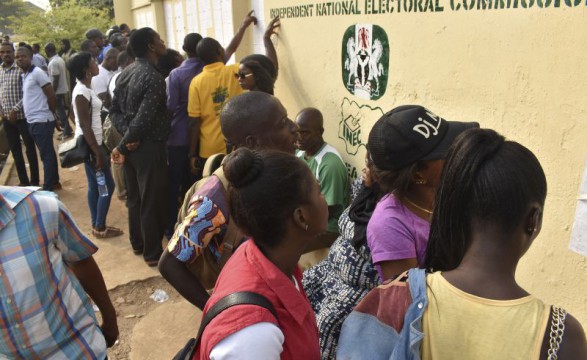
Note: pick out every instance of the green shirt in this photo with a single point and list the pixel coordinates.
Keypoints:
(331, 173)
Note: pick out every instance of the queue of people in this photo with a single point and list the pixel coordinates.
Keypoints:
(416, 259)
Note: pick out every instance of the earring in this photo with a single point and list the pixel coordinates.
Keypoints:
(306, 227)
(531, 230)
(420, 182)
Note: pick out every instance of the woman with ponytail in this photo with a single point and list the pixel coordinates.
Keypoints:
(274, 199)
(488, 212)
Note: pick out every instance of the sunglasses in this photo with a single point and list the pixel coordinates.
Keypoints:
(242, 76)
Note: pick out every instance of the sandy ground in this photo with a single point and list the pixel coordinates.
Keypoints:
(148, 330)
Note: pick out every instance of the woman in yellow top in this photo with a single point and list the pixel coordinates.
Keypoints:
(488, 212)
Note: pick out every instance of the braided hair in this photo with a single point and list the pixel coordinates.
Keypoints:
(265, 189)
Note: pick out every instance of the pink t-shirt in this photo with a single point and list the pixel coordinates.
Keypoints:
(395, 233)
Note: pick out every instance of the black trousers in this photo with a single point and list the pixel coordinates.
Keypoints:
(13, 135)
(146, 180)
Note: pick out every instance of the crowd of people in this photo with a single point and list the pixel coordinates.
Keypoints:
(253, 219)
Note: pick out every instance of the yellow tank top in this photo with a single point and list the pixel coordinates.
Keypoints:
(458, 325)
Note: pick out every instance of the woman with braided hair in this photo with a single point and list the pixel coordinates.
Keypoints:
(274, 199)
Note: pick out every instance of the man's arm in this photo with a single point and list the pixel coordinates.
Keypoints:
(101, 88)
(194, 134)
(172, 92)
(269, 47)
(238, 37)
(51, 99)
(90, 277)
(182, 280)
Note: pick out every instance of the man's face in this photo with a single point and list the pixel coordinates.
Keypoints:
(94, 50)
(158, 46)
(279, 131)
(99, 41)
(110, 63)
(309, 132)
(23, 59)
(63, 47)
(7, 54)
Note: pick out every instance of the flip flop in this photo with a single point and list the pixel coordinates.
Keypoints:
(108, 232)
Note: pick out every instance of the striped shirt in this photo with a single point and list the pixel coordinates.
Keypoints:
(11, 90)
(44, 311)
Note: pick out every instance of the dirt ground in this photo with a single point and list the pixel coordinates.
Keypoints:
(148, 330)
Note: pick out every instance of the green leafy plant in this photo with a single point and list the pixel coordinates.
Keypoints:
(67, 20)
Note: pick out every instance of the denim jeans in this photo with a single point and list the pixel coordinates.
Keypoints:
(14, 132)
(42, 134)
(99, 205)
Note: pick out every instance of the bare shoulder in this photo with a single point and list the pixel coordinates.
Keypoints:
(573, 345)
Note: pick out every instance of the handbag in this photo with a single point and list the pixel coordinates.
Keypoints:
(110, 136)
(230, 300)
(75, 151)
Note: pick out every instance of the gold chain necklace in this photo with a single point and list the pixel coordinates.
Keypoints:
(429, 212)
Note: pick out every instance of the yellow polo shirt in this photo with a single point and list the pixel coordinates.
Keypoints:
(208, 92)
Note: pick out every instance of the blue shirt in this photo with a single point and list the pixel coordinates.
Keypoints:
(178, 88)
(44, 311)
(34, 100)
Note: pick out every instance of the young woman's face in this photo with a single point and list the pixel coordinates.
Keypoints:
(432, 171)
(93, 68)
(367, 177)
(246, 78)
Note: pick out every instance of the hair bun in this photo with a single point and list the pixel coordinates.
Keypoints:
(242, 167)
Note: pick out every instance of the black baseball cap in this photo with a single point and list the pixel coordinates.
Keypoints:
(93, 33)
(411, 133)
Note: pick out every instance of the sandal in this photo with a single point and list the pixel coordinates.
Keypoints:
(108, 232)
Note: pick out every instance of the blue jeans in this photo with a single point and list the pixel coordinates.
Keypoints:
(42, 134)
(99, 205)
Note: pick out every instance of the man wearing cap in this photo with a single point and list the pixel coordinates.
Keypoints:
(96, 36)
(407, 147)
(330, 171)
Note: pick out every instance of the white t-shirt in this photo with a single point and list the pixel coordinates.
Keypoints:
(112, 84)
(100, 82)
(34, 100)
(82, 90)
(260, 341)
(57, 68)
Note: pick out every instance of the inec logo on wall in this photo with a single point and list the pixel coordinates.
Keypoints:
(365, 61)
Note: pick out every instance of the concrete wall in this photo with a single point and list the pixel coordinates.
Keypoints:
(520, 71)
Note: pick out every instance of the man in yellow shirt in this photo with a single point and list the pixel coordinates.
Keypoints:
(208, 92)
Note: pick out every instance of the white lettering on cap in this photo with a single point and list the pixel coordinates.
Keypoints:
(428, 129)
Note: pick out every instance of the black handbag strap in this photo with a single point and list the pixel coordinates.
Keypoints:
(230, 300)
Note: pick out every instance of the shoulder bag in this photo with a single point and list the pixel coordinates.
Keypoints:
(74, 151)
(230, 300)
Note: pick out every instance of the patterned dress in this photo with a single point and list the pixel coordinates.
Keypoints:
(337, 284)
